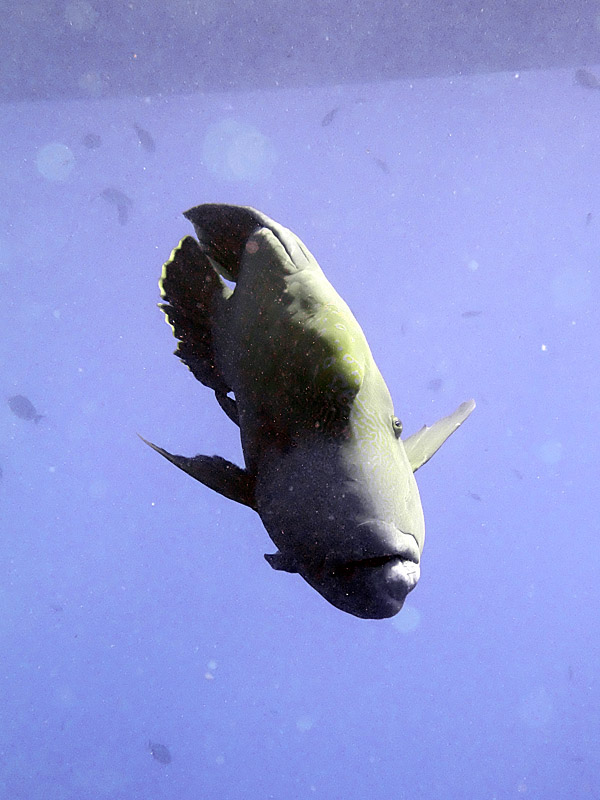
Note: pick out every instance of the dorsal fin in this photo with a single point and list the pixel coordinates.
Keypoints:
(191, 289)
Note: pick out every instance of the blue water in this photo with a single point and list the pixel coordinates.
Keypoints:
(136, 606)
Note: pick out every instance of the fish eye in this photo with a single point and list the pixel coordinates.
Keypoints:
(397, 426)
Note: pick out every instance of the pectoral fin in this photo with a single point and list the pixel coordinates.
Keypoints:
(215, 472)
(423, 444)
(281, 562)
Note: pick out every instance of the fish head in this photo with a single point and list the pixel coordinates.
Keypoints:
(345, 514)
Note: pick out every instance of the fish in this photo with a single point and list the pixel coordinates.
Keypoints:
(145, 138)
(119, 199)
(587, 79)
(383, 165)
(329, 117)
(92, 141)
(160, 752)
(23, 408)
(469, 314)
(325, 465)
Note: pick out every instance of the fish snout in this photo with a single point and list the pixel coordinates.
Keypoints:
(371, 588)
(400, 577)
(374, 584)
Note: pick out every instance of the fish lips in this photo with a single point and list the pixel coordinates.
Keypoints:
(370, 586)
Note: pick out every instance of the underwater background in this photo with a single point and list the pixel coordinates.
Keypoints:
(147, 650)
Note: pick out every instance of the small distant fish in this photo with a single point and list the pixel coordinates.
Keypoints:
(23, 408)
(474, 496)
(382, 165)
(145, 138)
(92, 141)
(467, 314)
(435, 384)
(329, 117)
(119, 199)
(587, 79)
(160, 752)
(588, 218)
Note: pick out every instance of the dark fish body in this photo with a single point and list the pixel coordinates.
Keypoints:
(587, 79)
(159, 752)
(92, 141)
(326, 468)
(116, 196)
(145, 139)
(329, 117)
(23, 408)
(120, 200)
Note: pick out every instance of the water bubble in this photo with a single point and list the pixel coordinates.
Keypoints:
(80, 15)
(571, 290)
(408, 620)
(6, 256)
(536, 708)
(304, 723)
(92, 83)
(55, 161)
(98, 489)
(238, 151)
(550, 452)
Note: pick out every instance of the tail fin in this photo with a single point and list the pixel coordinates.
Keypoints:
(223, 231)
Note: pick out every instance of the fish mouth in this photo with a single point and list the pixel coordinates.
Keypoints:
(388, 548)
(347, 568)
(393, 569)
(372, 588)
